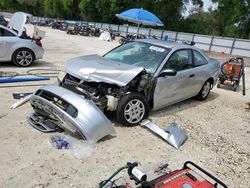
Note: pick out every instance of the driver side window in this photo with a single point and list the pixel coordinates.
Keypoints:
(180, 60)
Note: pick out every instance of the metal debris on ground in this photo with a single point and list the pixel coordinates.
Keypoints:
(174, 135)
(51, 73)
(20, 95)
(20, 102)
(70, 112)
(42, 123)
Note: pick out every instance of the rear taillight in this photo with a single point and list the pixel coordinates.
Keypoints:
(38, 43)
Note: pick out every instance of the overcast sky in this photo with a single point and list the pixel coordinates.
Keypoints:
(207, 4)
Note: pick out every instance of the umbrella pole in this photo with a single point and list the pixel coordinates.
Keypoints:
(137, 33)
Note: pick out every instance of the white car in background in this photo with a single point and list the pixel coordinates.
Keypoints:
(16, 46)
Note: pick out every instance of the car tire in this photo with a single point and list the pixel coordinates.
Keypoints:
(235, 87)
(132, 109)
(23, 57)
(205, 90)
(218, 84)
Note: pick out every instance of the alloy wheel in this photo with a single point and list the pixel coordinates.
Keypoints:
(134, 111)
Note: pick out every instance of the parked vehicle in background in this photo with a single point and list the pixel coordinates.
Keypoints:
(16, 46)
(57, 25)
(129, 38)
(94, 31)
(84, 30)
(3, 21)
(72, 29)
(141, 75)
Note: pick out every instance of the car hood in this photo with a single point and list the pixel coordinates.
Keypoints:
(98, 69)
(18, 21)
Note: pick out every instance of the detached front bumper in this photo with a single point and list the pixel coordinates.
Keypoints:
(72, 112)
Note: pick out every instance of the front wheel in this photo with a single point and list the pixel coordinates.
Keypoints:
(23, 57)
(132, 109)
(205, 90)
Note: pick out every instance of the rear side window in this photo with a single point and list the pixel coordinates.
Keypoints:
(5, 33)
(199, 59)
(180, 60)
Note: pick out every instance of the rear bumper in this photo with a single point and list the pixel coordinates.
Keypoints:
(39, 53)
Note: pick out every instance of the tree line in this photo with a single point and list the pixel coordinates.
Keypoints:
(231, 18)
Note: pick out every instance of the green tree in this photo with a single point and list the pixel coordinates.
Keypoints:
(201, 22)
(233, 17)
(9, 5)
(54, 8)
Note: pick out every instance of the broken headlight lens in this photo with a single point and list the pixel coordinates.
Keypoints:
(61, 76)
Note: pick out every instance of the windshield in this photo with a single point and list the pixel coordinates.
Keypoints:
(139, 54)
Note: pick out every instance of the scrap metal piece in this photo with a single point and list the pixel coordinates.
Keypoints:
(42, 124)
(72, 112)
(174, 135)
(20, 95)
(21, 102)
(177, 135)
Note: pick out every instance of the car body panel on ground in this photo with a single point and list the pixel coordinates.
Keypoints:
(71, 112)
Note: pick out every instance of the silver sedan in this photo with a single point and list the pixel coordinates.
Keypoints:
(16, 46)
(141, 75)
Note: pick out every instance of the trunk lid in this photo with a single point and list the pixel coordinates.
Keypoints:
(18, 21)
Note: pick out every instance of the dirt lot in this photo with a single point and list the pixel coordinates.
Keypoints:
(218, 132)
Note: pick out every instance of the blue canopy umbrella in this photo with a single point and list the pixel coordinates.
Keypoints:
(140, 16)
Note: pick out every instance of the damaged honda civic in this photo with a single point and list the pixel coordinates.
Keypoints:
(140, 76)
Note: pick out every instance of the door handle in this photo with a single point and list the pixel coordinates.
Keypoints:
(191, 75)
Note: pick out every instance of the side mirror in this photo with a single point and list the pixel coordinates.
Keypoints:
(167, 72)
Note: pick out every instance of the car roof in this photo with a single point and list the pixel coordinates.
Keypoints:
(166, 44)
(10, 30)
(172, 45)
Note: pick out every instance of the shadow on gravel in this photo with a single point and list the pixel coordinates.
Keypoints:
(36, 64)
(184, 105)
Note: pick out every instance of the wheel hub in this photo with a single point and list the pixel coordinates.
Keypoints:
(24, 58)
(206, 89)
(134, 111)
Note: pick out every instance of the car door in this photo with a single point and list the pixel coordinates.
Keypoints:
(172, 89)
(7, 38)
(201, 68)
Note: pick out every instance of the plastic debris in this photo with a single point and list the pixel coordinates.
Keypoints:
(105, 36)
(60, 142)
(79, 149)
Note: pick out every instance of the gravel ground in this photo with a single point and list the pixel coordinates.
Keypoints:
(218, 132)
